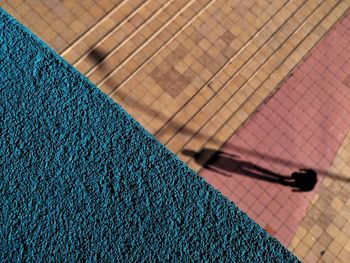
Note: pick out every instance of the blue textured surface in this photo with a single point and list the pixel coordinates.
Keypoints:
(81, 180)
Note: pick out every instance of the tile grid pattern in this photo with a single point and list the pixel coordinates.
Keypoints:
(59, 23)
(323, 235)
(248, 101)
(301, 126)
(191, 72)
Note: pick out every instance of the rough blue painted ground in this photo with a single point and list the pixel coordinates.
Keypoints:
(81, 180)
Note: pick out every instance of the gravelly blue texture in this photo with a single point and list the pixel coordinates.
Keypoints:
(82, 180)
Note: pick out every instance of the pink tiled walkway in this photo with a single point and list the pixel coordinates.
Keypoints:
(300, 126)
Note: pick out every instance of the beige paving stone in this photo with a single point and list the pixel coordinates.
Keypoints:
(193, 71)
(311, 257)
(58, 15)
(335, 247)
(328, 256)
(301, 250)
(271, 83)
(331, 230)
(343, 256)
(316, 231)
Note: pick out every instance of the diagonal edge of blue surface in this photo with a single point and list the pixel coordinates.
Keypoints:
(82, 180)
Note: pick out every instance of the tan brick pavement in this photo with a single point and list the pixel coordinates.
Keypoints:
(324, 233)
(191, 72)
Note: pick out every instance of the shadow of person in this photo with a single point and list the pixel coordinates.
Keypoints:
(229, 164)
(304, 180)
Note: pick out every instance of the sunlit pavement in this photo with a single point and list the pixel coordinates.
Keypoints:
(203, 74)
(305, 124)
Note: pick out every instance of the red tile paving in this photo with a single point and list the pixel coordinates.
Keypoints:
(300, 126)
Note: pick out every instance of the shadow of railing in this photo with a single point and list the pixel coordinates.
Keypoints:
(98, 56)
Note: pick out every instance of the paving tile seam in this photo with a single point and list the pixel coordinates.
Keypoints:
(311, 238)
(275, 31)
(110, 33)
(150, 38)
(178, 32)
(235, 74)
(113, 21)
(138, 49)
(217, 74)
(253, 94)
(274, 35)
(61, 23)
(205, 85)
(244, 84)
(90, 30)
(216, 145)
(203, 106)
(123, 36)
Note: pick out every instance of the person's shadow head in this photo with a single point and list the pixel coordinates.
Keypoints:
(97, 55)
(304, 180)
(230, 165)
